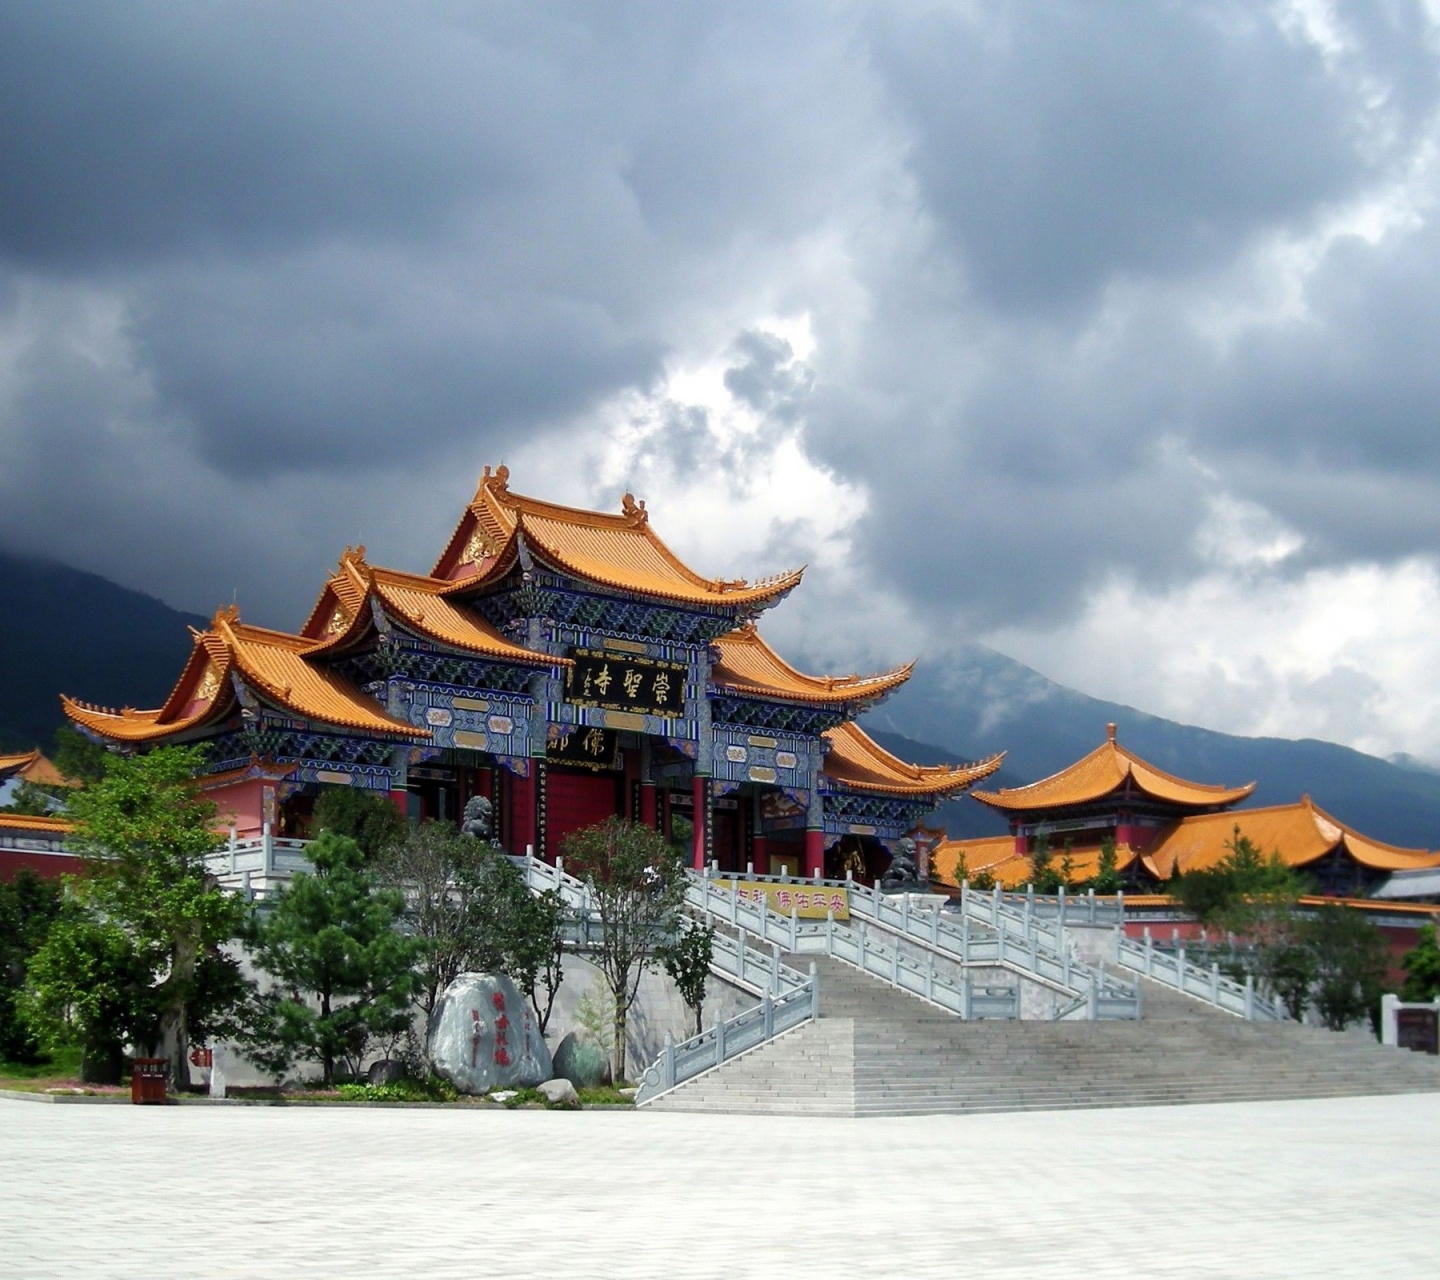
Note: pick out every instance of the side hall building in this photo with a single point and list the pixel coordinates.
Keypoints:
(563, 664)
(1160, 824)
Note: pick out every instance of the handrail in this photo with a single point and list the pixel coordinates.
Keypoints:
(1025, 944)
(1175, 970)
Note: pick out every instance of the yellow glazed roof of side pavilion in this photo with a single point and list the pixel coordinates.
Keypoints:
(1103, 771)
(996, 854)
(1301, 833)
(748, 665)
(859, 762)
(33, 766)
(619, 551)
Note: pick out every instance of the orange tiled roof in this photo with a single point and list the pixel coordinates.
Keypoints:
(996, 854)
(620, 551)
(33, 822)
(859, 762)
(1301, 833)
(272, 662)
(33, 766)
(748, 665)
(1103, 771)
(342, 614)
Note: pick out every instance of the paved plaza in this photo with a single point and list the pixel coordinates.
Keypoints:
(1333, 1188)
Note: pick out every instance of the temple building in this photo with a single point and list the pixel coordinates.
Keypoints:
(1159, 823)
(28, 766)
(565, 665)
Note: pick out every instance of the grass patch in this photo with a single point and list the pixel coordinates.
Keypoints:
(605, 1096)
(62, 1064)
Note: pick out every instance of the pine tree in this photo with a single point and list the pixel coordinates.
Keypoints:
(343, 971)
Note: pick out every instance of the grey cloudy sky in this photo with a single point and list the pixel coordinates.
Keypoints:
(1106, 334)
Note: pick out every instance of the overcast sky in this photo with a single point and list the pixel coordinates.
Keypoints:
(1108, 334)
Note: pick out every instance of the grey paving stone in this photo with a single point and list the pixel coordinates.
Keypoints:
(1313, 1188)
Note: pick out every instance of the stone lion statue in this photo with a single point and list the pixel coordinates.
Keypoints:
(479, 814)
(904, 868)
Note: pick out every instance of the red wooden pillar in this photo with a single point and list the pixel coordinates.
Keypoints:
(648, 813)
(401, 800)
(761, 856)
(522, 812)
(814, 854)
(700, 789)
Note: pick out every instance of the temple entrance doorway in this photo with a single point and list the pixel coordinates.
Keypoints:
(579, 798)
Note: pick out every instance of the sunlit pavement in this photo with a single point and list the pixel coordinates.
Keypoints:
(1335, 1188)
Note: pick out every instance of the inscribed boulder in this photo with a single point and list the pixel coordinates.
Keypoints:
(483, 1036)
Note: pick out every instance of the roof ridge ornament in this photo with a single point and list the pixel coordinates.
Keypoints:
(227, 615)
(1110, 732)
(634, 511)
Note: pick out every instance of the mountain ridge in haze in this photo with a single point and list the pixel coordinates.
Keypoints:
(68, 631)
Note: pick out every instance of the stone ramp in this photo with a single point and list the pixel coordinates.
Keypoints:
(876, 1051)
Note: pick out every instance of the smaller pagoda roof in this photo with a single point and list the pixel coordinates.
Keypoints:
(1301, 833)
(33, 767)
(1104, 771)
(271, 662)
(857, 761)
(747, 665)
(996, 854)
(342, 614)
(618, 551)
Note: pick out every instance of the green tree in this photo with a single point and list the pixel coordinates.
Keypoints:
(77, 757)
(469, 905)
(637, 885)
(145, 831)
(344, 972)
(686, 959)
(535, 950)
(31, 801)
(1043, 874)
(1351, 960)
(982, 881)
(367, 817)
(1220, 895)
(92, 983)
(1107, 877)
(1422, 967)
(962, 869)
(28, 907)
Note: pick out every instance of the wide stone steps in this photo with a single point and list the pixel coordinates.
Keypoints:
(877, 1051)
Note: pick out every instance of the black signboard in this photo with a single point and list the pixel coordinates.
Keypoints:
(1418, 1029)
(588, 748)
(625, 682)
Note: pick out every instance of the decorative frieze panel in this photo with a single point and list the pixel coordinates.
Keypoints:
(782, 716)
(472, 719)
(782, 760)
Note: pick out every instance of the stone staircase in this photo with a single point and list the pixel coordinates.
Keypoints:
(876, 1051)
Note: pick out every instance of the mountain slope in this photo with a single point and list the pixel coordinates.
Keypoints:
(981, 701)
(64, 631)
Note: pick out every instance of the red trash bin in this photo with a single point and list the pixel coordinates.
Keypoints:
(147, 1080)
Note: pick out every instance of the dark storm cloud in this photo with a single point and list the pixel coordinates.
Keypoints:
(1063, 145)
(267, 271)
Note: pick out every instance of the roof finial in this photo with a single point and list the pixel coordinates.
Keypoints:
(226, 614)
(502, 477)
(1110, 732)
(633, 511)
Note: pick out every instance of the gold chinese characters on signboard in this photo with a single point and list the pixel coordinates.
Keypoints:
(625, 682)
(808, 901)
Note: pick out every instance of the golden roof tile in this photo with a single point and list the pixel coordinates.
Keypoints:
(856, 760)
(272, 662)
(1104, 771)
(996, 854)
(1301, 833)
(748, 665)
(619, 551)
(342, 614)
(35, 767)
(35, 822)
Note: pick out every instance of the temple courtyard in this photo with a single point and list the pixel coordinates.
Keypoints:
(1339, 1187)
